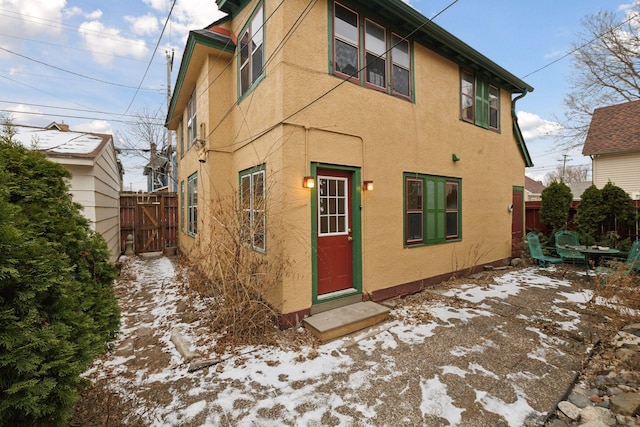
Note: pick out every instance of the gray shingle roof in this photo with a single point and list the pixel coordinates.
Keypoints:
(614, 129)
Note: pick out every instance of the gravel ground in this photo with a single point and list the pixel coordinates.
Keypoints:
(500, 349)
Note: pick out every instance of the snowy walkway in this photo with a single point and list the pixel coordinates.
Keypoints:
(497, 353)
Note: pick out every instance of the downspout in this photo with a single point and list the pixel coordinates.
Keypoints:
(517, 131)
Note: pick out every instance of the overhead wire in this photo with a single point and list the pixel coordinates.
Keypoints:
(327, 92)
(155, 49)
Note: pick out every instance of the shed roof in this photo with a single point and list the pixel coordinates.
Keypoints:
(55, 141)
(533, 186)
(614, 129)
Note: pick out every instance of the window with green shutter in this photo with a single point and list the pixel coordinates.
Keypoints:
(432, 209)
(479, 101)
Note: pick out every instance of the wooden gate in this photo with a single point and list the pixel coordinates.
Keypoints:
(151, 219)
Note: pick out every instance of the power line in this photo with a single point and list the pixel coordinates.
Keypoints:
(166, 21)
(69, 71)
(63, 26)
(583, 45)
(427, 21)
(69, 116)
(160, 123)
(93, 52)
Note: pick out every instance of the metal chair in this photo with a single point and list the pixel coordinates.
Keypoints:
(536, 251)
(564, 241)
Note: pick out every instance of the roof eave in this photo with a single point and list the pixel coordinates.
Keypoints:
(196, 38)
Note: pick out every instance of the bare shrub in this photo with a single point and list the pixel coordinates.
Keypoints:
(618, 290)
(232, 268)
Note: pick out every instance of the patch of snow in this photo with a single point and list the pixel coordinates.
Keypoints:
(437, 403)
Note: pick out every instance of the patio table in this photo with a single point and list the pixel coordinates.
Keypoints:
(590, 251)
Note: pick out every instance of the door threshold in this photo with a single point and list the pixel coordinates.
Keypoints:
(351, 296)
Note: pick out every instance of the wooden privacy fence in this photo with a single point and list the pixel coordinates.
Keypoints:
(152, 220)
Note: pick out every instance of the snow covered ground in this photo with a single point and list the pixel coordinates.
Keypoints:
(502, 350)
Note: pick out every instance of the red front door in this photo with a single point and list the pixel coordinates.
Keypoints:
(335, 266)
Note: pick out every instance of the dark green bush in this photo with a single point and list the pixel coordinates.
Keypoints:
(57, 305)
(556, 203)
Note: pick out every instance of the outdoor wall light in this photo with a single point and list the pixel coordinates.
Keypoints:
(367, 185)
(455, 157)
(309, 182)
(510, 208)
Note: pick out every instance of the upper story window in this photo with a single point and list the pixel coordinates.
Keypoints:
(192, 122)
(251, 47)
(479, 101)
(386, 56)
(180, 136)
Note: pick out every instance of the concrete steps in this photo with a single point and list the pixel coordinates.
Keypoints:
(342, 321)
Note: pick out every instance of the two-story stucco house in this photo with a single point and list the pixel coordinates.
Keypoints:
(613, 143)
(386, 149)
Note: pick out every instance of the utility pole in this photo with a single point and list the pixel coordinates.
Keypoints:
(564, 166)
(169, 142)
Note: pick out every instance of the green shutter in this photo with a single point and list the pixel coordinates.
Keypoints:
(434, 210)
(482, 102)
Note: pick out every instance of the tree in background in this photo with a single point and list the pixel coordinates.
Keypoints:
(568, 174)
(601, 213)
(590, 215)
(57, 305)
(618, 211)
(556, 203)
(606, 63)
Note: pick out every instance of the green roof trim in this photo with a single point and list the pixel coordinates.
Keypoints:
(419, 28)
(518, 132)
(198, 37)
(231, 6)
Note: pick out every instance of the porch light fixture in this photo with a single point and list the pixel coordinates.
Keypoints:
(455, 157)
(308, 182)
(367, 185)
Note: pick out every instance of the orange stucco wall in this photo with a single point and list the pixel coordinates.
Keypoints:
(382, 135)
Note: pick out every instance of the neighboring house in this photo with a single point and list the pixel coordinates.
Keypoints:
(532, 189)
(387, 150)
(577, 188)
(96, 173)
(613, 143)
(157, 170)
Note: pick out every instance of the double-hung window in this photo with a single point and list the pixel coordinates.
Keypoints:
(251, 47)
(252, 201)
(192, 120)
(375, 41)
(386, 56)
(479, 101)
(192, 204)
(432, 209)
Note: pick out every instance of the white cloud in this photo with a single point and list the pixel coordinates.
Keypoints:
(144, 25)
(534, 126)
(25, 115)
(72, 11)
(105, 42)
(553, 54)
(32, 18)
(159, 5)
(627, 6)
(96, 14)
(96, 126)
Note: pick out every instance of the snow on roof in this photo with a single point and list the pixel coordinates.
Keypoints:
(56, 142)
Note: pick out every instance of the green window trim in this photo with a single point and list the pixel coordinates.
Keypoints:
(182, 206)
(252, 195)
(192, 205)
(485, 96)
(373, 54)
(432, 209)
(251, 52)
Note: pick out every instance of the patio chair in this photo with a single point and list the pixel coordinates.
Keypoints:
(632, 263)
(566, 238)
(536, 251)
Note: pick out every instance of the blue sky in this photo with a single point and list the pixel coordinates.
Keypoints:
(90, 57)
